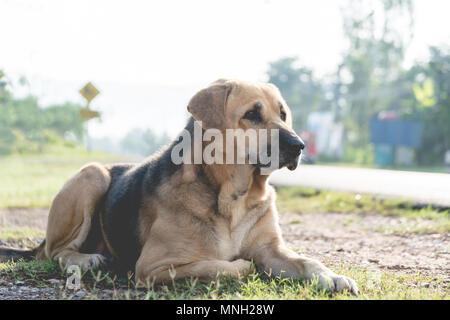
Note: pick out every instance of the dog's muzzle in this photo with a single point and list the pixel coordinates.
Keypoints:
(291, 147)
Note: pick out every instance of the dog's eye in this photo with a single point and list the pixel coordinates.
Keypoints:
(251, 115)
(254, 114)
(282, 115)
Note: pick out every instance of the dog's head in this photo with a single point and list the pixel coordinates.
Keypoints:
(232, 104)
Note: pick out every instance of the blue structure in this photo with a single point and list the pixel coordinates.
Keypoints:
(388, 134)
(396, 133)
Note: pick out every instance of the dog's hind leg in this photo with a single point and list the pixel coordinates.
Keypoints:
(71, 216)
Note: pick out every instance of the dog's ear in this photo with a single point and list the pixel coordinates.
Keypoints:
(209, 104)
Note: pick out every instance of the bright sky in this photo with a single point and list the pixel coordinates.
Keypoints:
(149, 57)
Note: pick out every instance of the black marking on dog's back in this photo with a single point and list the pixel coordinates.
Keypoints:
(130, 185)
(121, 213)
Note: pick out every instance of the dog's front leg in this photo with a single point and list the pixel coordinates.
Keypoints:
(203, 270)
(286, 263)
(268, 251)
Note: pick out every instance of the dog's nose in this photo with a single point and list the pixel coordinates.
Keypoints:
(295, 146)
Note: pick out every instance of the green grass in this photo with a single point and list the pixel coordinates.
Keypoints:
(12, 234)
(257, 285)
(33, 181)
(440, 226)
(23, 237)
(308, 200)
(33, 272)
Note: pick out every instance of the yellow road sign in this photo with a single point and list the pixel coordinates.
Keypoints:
(89, 92)
(87, 114)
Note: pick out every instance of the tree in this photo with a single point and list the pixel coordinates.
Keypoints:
(302, 91)
(64, 119)
(431, 90)
(372, 62)
(26, 127)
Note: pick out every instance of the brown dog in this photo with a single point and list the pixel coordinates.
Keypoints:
(196, 219)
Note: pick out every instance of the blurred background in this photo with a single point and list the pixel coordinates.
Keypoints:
(368, 81)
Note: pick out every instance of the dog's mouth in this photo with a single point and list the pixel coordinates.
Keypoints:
(285, 158)
(293, 164)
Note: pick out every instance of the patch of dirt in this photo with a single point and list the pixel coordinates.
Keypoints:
(331, 238)
(18, 290)
(351, 238)
(31, 218)
(20, 218)
(54, 289)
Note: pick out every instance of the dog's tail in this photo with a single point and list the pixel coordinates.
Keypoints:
(15, 254)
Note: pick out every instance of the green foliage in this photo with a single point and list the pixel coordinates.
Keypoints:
(371, 64)
(425, 94)
(64, 119)
(436, 138)
(302, 91)
(25, 127)
(371, 78)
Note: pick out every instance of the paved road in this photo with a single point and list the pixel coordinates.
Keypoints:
(421, 187)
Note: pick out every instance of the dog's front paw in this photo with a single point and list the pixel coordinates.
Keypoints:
(83, 260)
(329, 280)
(337, 283)
(242, 267)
